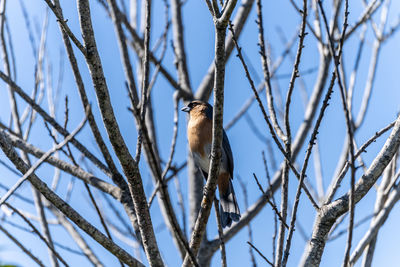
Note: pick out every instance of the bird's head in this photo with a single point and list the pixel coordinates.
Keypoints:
(198, 107)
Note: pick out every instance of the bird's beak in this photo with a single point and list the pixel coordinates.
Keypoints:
(185, 109)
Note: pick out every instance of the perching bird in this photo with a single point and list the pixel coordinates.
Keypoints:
(199, 134)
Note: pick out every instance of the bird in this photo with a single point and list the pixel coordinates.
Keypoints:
(199, 134)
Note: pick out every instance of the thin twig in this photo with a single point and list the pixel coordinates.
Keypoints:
(181, 204)
(250, 232)
(274, 208)
(220, 233)
(267, 77)
(174, 136)
(259, 253)
(99, 213)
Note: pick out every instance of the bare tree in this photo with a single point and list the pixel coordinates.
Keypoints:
(95, 180)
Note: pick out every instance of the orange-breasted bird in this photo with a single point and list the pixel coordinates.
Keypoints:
(199, 133)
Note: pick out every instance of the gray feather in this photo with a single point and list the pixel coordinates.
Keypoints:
(229, 209)
(225, 142)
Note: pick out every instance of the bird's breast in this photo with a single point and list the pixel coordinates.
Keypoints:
(199, 135)
(200, 138)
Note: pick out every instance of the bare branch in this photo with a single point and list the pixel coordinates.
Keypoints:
(220, 233)
(259, 253)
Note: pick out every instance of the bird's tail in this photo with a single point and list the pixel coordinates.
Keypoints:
(229, 209)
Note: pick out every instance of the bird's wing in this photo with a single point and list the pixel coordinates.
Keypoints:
(225, 143)
(228, 151)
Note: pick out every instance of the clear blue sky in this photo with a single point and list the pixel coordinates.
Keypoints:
(199, 37)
